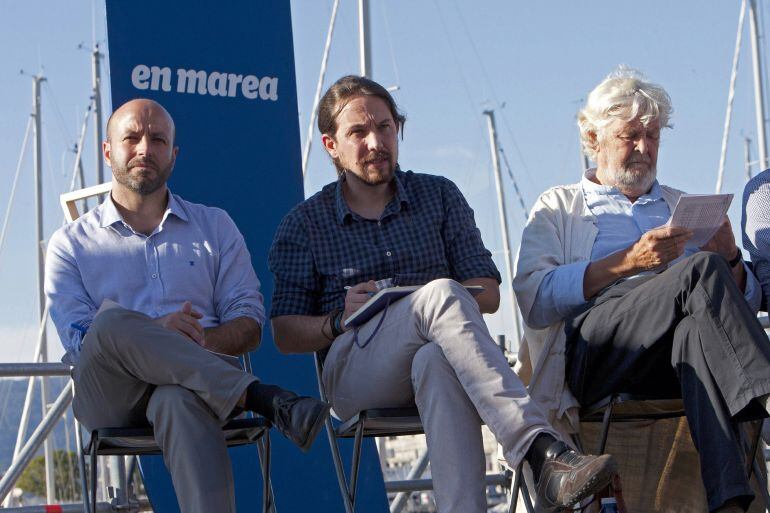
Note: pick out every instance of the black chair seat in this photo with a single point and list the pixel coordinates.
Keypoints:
(629, 408)
(382, 422)
(140, 440)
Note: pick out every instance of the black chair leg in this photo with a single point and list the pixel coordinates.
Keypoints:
(520, 487)
(752, 452)
(359, 439)
(94, 443)
(606, 426)
(515, 489)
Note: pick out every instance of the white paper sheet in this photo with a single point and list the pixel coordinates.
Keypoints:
(701, 213)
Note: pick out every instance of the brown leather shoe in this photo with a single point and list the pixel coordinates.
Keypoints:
(568, 477)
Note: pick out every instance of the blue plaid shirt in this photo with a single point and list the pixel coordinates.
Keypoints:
(426, 232)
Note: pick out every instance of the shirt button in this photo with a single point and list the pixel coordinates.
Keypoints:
(387, 253)
(379, 223)
(154, 275)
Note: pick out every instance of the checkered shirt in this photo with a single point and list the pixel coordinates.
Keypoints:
(426, 232)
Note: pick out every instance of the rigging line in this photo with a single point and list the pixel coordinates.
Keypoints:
(319, 86)
(730, 98)
(4, 231)
(49, 167)
(515, 185)
(66, 136)
(492, 89)
(463, 80)
(390, 43)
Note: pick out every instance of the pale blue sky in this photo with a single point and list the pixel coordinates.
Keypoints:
(451, 60)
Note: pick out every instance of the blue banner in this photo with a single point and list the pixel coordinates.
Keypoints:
(225, 72)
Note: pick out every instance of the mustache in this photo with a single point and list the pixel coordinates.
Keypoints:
(377, 155)
(142, 162)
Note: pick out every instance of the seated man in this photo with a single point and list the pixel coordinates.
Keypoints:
(627, 305)
(183, 278)
(432, 348)
(755, 224)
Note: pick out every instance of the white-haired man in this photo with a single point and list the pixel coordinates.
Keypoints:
(614, 302)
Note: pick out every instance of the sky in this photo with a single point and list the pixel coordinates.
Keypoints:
(532, 62)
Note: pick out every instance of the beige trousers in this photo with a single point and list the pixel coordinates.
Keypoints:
(433, 349)
(132, 372)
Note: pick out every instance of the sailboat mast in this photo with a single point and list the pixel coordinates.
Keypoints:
(364, 40)
(503, 220)
(96, 82)
(759, 100)
(37, 80)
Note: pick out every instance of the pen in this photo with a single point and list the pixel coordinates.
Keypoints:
(370, 294)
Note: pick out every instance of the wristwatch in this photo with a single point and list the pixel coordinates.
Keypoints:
(736, 259)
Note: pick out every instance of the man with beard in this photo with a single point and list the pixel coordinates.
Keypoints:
(432, 348)
(616, 302)
(184, 286)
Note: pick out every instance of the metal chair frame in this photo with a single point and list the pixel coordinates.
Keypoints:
(137, 441)
(374, 423)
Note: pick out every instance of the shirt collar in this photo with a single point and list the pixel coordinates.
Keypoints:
(594, 191)
(111, 215)
(401, 198)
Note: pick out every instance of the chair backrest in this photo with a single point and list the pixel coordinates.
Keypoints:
(68, 199)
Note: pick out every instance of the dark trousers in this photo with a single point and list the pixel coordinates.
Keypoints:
(687, 331)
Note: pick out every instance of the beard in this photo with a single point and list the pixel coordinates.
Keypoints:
(365, 174)
(627, 179)
(143, 182)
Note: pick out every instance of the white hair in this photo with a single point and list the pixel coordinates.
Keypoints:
(624, 94)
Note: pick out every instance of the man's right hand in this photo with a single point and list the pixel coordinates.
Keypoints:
(184, 321)
(356, 296)
(657, 248)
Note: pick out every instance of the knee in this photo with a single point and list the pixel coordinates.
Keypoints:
(175, 402)
(105, 322)
(443, 288)
(708, 262)
(428, 362)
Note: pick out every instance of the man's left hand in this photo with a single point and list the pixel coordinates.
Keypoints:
(723, 241)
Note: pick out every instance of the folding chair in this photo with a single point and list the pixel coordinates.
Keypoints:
(137, 441)
(631, 408)
(374, 423)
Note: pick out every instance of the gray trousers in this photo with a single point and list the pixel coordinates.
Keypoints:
(433, 349)
(686, 332)
(132, 371)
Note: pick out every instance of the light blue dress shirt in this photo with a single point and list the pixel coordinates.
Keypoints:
(620, 224)
(196, 254)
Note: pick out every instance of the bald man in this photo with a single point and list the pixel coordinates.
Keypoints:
(144, 290)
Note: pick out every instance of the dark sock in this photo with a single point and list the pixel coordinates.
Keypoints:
(536, 453)
(260, 397)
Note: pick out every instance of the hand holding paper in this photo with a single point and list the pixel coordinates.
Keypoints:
(703, 214)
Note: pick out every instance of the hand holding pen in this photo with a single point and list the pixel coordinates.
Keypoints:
(357, 295)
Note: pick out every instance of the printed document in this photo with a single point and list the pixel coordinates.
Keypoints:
(701, 213)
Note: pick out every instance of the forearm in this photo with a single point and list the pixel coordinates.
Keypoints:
(234, 337)
(605, 272)
(301, 333)
(739, 274)
(489, 300)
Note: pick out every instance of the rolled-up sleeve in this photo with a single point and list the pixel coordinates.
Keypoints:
(464, 248)
(70, 304)
(560, 292)
(236, 291)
